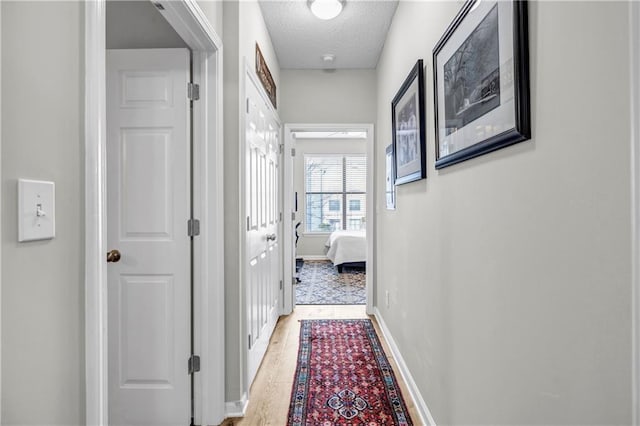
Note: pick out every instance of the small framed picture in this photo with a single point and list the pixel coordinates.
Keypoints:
(390, 191)
(481, 81)
(407, 118)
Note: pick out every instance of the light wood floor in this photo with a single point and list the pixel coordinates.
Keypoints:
(271, 389)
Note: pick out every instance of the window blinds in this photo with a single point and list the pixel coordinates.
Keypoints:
(335, 192)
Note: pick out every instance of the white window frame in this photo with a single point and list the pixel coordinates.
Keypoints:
(343, 200)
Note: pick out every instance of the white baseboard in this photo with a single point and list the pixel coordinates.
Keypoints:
(421, 405)
(236, 408)
(315, 257)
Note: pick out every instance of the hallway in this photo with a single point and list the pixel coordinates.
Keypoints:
(271, 390)
(507, 284)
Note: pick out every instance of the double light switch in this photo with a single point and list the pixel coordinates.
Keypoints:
(36, 210)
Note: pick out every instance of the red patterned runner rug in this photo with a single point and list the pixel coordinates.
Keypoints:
(344, 378)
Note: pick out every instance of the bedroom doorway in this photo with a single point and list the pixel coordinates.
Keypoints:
(329, 214)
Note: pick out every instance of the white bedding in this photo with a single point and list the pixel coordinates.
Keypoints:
(347, 246)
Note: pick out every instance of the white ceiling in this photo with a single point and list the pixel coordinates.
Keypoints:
(355, 37)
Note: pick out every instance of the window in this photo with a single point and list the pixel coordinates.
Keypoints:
(333, 183)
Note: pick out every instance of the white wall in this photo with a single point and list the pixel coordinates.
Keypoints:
(253, 30)
(138, 25)
(319, 96)
(312, 244)
(213, 10)
(243, 27)
(509, 274)
(42, 282)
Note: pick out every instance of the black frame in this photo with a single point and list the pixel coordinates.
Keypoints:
(522, 129)
(417, 72)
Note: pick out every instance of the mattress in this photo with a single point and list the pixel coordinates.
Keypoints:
(347, 247)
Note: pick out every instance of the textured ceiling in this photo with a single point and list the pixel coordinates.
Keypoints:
(355, 37)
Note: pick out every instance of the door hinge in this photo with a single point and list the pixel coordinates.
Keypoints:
(293, 152)
(193, 91)
(194, 364)
(247, 105)
(249, 341)
(280, 216)
(193, 227)
(293, 215)
(293, 281)
(248, 223)
(280, 284)
(281, 148)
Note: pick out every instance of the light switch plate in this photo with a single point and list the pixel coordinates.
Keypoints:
(36, 210)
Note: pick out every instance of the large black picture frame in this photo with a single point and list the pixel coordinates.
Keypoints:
(408, 122)
(481, 81)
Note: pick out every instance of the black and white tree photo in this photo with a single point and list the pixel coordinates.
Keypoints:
(472, 76)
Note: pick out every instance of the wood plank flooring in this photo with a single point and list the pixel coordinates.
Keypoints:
(271, 389)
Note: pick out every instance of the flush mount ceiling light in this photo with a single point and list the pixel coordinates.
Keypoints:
(325, 9)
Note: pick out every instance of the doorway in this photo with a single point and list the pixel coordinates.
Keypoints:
(344, 207)
(189, 23)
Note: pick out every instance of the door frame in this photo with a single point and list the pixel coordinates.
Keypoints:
(191, 24)
(250, 76)
(289, 202)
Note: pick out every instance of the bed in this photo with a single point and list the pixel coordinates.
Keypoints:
(347, 249)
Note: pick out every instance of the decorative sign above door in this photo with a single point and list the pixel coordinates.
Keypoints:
(265, 76)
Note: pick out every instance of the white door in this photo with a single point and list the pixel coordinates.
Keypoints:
(148, 205)
(263, 269)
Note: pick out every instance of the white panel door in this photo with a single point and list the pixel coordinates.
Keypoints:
(263, 269)
(148, 197)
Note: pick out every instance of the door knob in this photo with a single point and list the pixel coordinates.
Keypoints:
(271, 237)
(113, 256)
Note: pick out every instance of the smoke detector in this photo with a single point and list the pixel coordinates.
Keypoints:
(328, 58)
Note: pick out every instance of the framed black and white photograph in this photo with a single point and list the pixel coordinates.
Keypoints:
(390, 187)
(481, 81)
(407, 118)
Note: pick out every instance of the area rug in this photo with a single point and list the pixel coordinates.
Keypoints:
(344, 378)
(321, 284)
